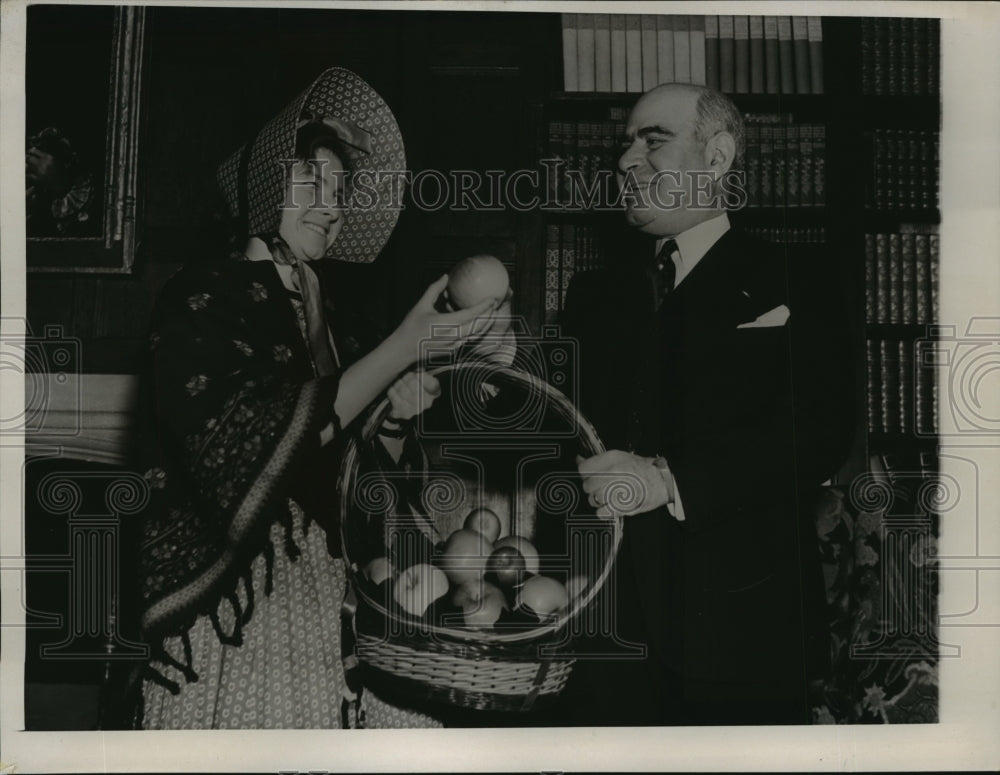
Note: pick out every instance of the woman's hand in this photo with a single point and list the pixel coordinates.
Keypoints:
(413, 394)
(445, 330)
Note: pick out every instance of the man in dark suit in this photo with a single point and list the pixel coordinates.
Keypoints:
(717, 369)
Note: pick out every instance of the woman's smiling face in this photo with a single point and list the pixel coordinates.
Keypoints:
(313, 216)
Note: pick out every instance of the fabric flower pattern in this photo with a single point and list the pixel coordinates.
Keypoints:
(156, 478)
(196, 385)
(243, 347)
(282, 353)
(199, 301)
(257, 292)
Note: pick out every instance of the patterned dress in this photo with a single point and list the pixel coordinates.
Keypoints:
(262, 651)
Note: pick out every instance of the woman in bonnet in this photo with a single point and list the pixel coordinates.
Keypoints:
(253, 376)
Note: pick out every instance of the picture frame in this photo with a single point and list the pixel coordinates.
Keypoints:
(95, 231)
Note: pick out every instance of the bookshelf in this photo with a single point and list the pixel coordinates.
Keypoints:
(869, 89)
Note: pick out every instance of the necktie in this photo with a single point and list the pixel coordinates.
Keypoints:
(304, 278)
(664, 271)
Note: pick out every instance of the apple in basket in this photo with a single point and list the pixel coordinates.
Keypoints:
(378, 570)
(525, 547)
(464, 556)
(475, 279)
(418, 586)
(506, 566)
(485, 522)
(481, 602)
(542, 596)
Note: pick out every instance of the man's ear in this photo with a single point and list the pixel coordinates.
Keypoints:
(720, 151)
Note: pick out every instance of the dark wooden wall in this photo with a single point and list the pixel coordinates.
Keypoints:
(466, 89)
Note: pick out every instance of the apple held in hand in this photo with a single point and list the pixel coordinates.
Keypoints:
(378, 570)
(418, 586)
(525, 547)
(485, 522)
(543, 596)
(474, 279)
(506, 566)
(464, 556)
(481, 603)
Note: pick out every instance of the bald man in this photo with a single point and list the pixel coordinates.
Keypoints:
(717, 369)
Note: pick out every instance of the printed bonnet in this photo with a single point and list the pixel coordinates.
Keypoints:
(352, 104)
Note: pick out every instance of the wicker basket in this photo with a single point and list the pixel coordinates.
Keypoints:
(498, 437)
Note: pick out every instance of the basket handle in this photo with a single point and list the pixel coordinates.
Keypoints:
(536, 685)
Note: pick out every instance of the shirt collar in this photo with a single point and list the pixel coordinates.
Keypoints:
(693, 244)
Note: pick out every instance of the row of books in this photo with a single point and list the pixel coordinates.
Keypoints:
(802, 235)
(900, 56)
(735, 54)
(764, 54)
(785, 162)
(586, 147)
(569, 248)
(631, 52)
(901, 277)
(904, 169)
(902, 389)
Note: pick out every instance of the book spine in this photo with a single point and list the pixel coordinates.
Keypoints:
(814, 33)
(905, 46)
(568, 265)
(571, 81)
(923, 278)
(581, 156)
(556, 152)
(712, 52)
(727, 44)
(909, 281)
(933, 56)
(698, 63)
(757, 55)
(889, 353)
(741, 53)
(918, 74)
(882, 278)
(819, 164)
(881, 56)
(934, 249)
(665, 49)
(880, 176)
(752, 161)
(920, 391)
(552, 261)
(867, 55)
(871, 281)
(647, 30)
(800, 52)
(892, 56)
(807, 170)
(682, 50)
(567, 260)
(602, 52)
(772, 63)
(905, 379)
(780, 168)
(786, 55)
(586, 61)
(633, 53)
(895, 279)
(873, 372)
(571, 150)
(618, 81)
(767, 165)
(596, 151)
(917, 190)
(793, 167)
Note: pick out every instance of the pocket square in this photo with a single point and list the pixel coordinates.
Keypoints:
(770, 319)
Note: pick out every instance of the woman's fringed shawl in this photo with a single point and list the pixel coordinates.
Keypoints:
(237, 412)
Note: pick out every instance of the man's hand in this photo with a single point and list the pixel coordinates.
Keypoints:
(412, 394)
(618, 482)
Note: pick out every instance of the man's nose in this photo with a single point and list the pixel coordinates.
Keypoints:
(631, 159)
